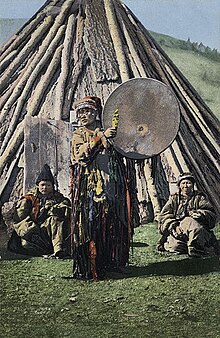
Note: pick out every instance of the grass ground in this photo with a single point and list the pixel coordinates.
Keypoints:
(158, 295)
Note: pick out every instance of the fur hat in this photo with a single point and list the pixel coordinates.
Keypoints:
(45, 175)
(185, 176)
(92, 102)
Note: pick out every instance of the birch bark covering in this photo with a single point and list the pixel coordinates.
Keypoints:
(73, 48)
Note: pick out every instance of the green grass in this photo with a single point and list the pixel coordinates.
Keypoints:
(158, 295)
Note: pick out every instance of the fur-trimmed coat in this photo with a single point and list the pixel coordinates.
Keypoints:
(177, 208)
(40, 222)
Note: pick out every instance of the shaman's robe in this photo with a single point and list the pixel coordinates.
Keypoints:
(101, 220)
(41, 224)
(197, 237)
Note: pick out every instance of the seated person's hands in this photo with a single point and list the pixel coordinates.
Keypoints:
(173, 226)
(194, 214)
(179, 230)
(176, 231)
(49, 205)
(59, 211)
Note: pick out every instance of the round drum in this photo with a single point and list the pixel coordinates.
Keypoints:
(149, 117)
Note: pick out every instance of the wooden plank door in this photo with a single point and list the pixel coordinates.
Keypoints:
(47, 141)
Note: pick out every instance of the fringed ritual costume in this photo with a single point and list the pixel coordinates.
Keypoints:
(101, 208)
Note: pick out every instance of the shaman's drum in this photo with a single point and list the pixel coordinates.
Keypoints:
(149, 117)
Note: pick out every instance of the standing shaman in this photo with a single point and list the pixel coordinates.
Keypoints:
(101, 224)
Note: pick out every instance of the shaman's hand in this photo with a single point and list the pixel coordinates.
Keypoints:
(110, 132)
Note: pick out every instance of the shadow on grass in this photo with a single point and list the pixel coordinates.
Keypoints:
(139, 244)
(184, 267)
(10, 256)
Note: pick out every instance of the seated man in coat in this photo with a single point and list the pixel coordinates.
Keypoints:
(186, 221)
(41, 220)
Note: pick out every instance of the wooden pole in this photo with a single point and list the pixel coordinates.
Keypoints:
(23, 55)
(151, 189)
(65, 59)
(17, 40)
(116, 38)
(30, 82)
(13, 145)
(40, 89)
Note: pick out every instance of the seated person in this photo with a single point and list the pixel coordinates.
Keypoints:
(186, 220)
(41, 220)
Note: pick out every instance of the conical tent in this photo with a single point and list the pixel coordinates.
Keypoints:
(73, 48)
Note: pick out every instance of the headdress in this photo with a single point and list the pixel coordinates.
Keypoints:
(92, 102)
(185, 176)
(45, 175)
